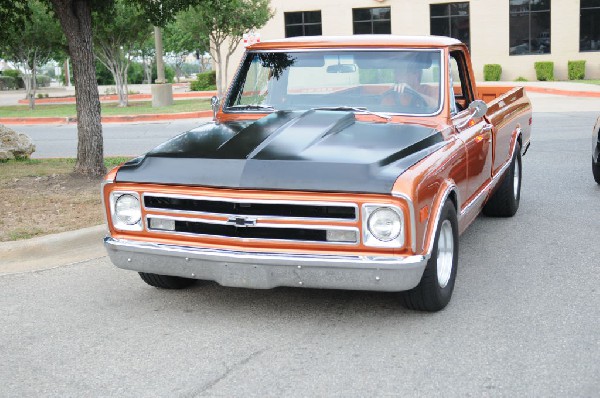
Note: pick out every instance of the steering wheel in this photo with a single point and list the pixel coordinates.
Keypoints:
(408, 97)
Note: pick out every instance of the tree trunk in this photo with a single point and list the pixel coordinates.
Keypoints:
(219, 72)
(120, 85)
(75, 17)
(33, 87)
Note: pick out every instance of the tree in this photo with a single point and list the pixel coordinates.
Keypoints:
(32, 46)
(226, 21)
(180, 39)
(75, 18)
(117, 32)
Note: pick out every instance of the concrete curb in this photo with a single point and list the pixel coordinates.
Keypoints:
(50, 251)
(152, 117)
(132, 97)
(567, 93)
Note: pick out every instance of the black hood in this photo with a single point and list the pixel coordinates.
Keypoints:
(288, 150)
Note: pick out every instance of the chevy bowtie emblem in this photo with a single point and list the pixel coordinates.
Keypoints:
(241, 222)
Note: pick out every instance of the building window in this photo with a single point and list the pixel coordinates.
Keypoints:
(589, 25)
(450, 19)
(303, 23)
(529, 27)
(371, 20)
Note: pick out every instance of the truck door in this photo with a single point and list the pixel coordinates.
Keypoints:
(477, 134)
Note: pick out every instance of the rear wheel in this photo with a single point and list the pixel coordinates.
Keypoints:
(435, 289)
(505, 201)
(166, 281)
(596, 170)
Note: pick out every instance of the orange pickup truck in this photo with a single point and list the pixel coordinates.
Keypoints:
(337, 163)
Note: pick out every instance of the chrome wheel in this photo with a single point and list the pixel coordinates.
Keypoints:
(445, 253)
(516, 179)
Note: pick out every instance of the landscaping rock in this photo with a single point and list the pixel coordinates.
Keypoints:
(14, 144)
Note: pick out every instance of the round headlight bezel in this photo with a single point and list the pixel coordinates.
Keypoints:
(381, 218)
(374, 237)
(120, 208)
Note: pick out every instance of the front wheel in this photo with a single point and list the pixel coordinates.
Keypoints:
(435, 289)
(166, 281)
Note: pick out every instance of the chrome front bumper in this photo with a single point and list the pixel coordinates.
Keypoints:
(269, 270)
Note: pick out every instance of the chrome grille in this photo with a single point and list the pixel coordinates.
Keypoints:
(311, 210)
(269, 220)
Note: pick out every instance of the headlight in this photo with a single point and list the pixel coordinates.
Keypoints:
(126, 211)
(383, 226)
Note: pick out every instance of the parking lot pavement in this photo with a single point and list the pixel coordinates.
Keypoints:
(523, 320)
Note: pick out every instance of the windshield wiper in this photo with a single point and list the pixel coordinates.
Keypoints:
(352, 108)
(252, 107)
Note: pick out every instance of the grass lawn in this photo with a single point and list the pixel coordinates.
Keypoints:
(43, 196)
(108, 109)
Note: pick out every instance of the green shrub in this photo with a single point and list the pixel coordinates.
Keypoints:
(544, 71)
(15, 74)
(492, 72)
(521, 79)
(7, 83)
(43, 80)
(40, 95)
(103, 76)
(576, 70)
(135, 73)
(205, 81)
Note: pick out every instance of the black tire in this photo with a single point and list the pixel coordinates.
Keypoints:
(166, 281)
(596, 171)
(505, 200)
(434, 291)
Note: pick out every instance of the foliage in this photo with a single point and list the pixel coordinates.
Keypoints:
(180, 39)
(135, 74)
(161, 12)
(521, 79)
(15, 74)
(42, 80)
(544, 71)
(492, 72)
(14, 14)
(103, 75)
(225, 21)
(117, 33)
(206, 81)
(576, 70)
(7, 83)
(39, 40)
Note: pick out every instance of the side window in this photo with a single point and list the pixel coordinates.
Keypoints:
(459, 80)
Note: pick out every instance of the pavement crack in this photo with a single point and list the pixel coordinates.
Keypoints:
(225, 374)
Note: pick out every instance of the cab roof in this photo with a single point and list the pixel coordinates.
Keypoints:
(364, 41)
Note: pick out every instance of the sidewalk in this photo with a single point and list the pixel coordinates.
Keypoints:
(52, 251)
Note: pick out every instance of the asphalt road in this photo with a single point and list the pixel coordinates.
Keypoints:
(524, 319)
(128, 139)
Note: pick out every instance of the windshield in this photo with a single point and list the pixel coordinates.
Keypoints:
(400, 81)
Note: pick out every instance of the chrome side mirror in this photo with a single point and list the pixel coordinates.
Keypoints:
(214, 103)
(478, 109)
